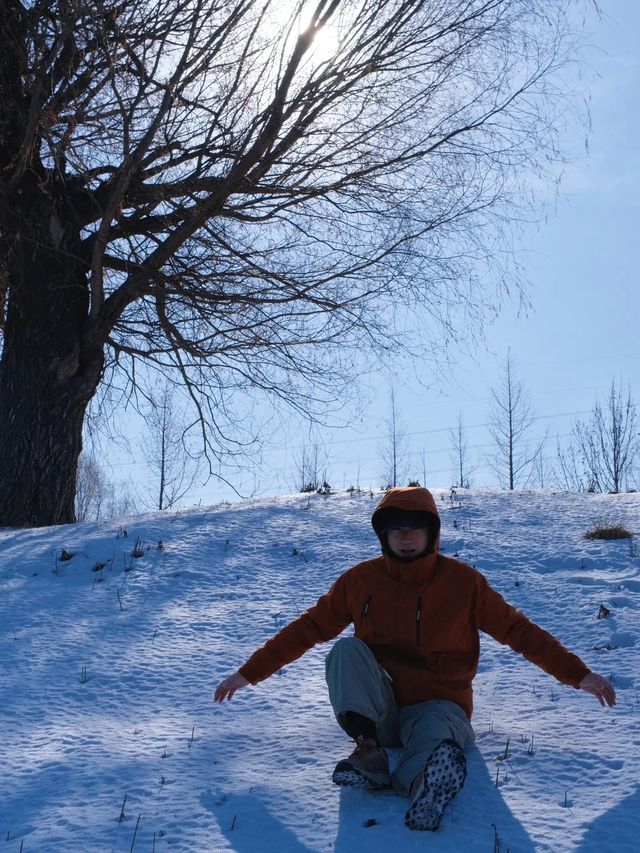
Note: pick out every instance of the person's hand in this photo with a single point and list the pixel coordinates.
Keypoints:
(600, 687)
(228, 687)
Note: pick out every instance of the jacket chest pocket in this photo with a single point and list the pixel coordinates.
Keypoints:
(400, 620)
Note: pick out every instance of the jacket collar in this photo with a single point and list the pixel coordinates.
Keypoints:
(416, 572)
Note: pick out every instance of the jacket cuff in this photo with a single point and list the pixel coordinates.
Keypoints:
(251, 674)
(577, 674)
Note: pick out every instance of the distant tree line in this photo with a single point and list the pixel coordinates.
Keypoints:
(601, 453)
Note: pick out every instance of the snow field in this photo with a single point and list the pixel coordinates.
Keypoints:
(108, 674)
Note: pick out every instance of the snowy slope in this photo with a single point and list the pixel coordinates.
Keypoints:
(108, 673)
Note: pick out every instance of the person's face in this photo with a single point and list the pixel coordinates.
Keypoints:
(408, 542)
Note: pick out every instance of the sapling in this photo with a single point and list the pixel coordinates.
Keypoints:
(505, 755)
(138, 549)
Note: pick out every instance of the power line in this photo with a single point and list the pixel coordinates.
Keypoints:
(362, 439)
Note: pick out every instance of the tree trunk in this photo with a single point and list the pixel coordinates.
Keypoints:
(50, 365)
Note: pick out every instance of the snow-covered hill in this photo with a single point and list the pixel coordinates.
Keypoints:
(110, 740)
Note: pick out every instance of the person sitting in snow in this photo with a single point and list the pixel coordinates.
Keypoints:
(404, 679)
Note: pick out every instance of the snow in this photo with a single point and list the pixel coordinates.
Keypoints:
(108, 675)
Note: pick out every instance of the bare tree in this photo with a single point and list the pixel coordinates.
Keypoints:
(311, 473)
(394, 450)
(122, 501)
(239, 193)
(569, 470)
(92, 489)
(97, 497)
(543, 472)
(608, 443)
(510, 421)
(460, 455)
(424, 467)
(173, 467)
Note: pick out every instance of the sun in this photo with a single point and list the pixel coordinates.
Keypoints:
(293, 18)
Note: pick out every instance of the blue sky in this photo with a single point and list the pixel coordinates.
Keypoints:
(581, 330)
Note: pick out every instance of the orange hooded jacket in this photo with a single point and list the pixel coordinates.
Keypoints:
(420, 619)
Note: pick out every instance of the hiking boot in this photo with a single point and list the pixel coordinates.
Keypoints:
(434, 788)
(367, 767)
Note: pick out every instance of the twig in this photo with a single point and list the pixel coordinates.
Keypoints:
(506, 750)
(119, 600)
(135, 832)
(122, 815)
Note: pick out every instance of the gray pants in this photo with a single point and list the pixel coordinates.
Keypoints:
(358, 683)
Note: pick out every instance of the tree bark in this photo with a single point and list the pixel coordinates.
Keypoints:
(51, 364)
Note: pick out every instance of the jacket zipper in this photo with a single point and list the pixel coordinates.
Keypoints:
(418, 615)
(365, 609)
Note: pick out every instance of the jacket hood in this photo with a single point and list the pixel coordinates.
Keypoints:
(413, 499)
